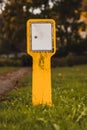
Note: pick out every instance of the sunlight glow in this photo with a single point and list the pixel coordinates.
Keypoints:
(37, 11)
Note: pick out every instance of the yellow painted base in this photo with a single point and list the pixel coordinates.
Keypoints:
(41, 79)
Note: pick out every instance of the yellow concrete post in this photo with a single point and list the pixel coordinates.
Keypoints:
(41, 76)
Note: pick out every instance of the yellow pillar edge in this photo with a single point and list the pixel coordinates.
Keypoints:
(41, 70)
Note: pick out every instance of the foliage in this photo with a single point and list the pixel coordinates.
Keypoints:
(68, 25)
(70, 60)
(15, 17)
(69, 110)
(10, 62)
(66, 13)
(26, 60)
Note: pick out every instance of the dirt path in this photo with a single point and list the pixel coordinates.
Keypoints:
(10, 80)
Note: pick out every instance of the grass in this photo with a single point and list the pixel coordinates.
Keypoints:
(5, 69)
(69, 110)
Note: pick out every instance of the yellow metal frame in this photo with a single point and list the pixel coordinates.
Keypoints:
(41, 76)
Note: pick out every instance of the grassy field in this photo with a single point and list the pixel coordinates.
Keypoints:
(69, 110)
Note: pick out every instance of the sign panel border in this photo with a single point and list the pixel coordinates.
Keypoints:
(29, 40)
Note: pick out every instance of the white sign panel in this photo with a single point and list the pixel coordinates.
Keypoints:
(41, 36)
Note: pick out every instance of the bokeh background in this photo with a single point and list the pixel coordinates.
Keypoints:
(71, 30)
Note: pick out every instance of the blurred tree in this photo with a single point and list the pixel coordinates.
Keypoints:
(16, 13)
(15, 16)
(66, 13)
(84, 5)
(67, 17)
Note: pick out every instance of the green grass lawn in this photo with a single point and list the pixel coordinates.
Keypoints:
(69, 110)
